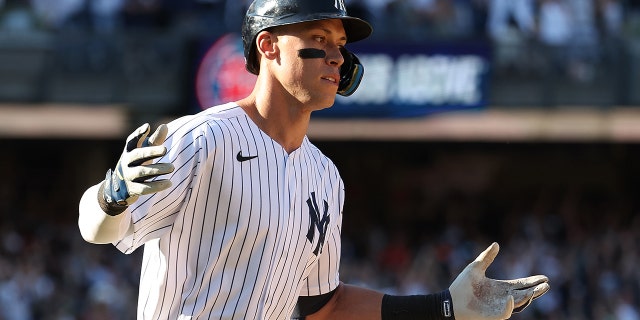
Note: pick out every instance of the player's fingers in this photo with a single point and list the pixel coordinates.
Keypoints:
(135, 139)
(540, 290)
(142, 173)
(487, 256)
(158, 136)
(522, 298)
(144, 188)
(523, 283)
(155, 186)
(141, 155)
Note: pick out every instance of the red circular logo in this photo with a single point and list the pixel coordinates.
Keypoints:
(221, 75)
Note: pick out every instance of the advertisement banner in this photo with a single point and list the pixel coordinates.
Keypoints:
(403, 80)
(400, 79)
(220, 75)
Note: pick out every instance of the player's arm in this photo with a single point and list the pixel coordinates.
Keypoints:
(471, 296)
(101, 206)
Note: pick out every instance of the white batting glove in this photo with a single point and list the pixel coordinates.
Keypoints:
(128, 181)
(477, 297)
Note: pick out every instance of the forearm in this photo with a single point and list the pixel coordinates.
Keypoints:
(95, 225)
(351, 303)
(471, 296)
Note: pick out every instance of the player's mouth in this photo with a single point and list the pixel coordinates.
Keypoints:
(333, 79)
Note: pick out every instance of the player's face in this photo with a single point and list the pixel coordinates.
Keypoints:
(312, 81)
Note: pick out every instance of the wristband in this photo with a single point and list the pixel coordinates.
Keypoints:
(436, 306)
(110, 208)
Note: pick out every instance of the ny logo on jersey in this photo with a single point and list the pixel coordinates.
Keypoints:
(317, 222)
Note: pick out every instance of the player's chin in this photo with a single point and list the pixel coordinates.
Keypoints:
(326, 102)
(320, 99)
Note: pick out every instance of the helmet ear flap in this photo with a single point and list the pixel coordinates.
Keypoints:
(351, 73)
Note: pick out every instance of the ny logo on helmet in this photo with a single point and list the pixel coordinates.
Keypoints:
(339, 4)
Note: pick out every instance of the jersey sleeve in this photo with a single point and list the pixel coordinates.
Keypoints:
(153, 215)
(325, 275)
(95, 225)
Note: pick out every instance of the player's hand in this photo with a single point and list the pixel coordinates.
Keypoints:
(129, 180)
(477, 297)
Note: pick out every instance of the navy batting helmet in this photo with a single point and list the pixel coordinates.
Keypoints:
(263, 14)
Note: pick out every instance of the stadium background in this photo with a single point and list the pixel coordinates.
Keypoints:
(546, 165)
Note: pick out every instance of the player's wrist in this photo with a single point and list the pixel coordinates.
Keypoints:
(109, 207)
(436, 306)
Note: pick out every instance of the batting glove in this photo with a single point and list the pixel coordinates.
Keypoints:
(129, 180)
(477, 297)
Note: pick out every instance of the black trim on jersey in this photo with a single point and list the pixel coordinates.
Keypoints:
(310, 305)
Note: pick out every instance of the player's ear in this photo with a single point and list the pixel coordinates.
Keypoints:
(266, 45)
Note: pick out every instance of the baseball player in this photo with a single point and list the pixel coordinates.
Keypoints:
(240, 214)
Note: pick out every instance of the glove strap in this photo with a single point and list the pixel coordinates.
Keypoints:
(436, 306)
(112, 194)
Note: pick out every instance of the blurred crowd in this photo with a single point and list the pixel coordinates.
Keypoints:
(551, 21)
(589, 249)
(49, 272)
(576, 34)
(592, 265)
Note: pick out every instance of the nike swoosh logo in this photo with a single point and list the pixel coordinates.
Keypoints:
(241, 158)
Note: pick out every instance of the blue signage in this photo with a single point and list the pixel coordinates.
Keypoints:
(402, 80)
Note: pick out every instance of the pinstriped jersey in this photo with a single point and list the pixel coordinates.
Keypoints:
(244, 230)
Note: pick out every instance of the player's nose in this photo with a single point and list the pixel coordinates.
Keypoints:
(334, 56)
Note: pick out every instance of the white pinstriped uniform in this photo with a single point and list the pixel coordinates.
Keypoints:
(231, 239)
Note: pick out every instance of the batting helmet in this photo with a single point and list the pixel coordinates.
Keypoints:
(263, 14)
